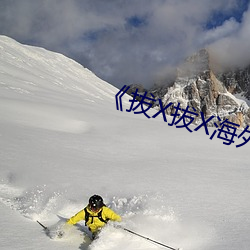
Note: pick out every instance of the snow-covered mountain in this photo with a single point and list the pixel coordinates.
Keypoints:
(31, 74)
(200, 86)
(197, 86)
(62, 140)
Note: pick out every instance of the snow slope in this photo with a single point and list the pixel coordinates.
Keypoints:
(62, 140)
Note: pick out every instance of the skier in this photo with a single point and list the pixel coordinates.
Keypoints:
(95, 214)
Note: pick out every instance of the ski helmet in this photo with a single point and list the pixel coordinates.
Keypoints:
(95, 202)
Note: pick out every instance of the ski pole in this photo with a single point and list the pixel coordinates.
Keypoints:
(146, 238)
(45, 228)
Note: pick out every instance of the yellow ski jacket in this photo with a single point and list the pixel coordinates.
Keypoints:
(94, 223)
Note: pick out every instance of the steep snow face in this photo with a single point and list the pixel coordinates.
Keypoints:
(62, 140)
(36, 71)
(33, 71)
(30, 74)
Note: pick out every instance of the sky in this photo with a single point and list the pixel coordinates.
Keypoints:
(132, 41)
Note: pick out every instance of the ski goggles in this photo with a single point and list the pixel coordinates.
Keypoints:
(94, 208)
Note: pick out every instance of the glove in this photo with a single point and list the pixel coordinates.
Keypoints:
(60, 234)
(62, 229)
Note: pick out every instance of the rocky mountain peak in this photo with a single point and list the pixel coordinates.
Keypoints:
(198, 87)
(197, 64)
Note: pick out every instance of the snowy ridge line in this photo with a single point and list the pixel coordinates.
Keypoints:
(27, 69)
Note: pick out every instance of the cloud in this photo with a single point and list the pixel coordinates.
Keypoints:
(228, 28)
(233, 49)
(124, 41)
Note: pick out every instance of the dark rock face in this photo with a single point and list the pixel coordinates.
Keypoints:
(197, 86)
(237, 81)
(133, 88)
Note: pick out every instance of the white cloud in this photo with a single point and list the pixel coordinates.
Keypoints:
(233, 50)
(228, 28)
(97, 33)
